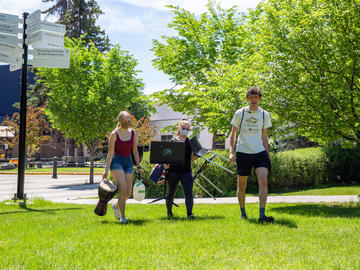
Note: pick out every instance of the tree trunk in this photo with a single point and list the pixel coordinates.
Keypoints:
(92, 167)
(69, 147)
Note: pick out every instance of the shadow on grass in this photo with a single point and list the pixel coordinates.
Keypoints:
(46, 211)
(200, 218)
(351, 210)
(136, 222)
(278, 221)
(77, 187)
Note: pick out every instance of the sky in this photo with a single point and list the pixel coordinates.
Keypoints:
(134, 24)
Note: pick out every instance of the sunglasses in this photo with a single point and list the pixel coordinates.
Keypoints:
(253, 97)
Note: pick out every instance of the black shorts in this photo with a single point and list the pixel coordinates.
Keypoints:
(245, 162)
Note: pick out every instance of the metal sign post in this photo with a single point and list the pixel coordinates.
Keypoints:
(47, 39)
(23, 106)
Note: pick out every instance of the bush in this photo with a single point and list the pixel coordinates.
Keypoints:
(299, 168)
(344, 164)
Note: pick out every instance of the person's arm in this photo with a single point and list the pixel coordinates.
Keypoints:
(234, 130)
(193, 156)
(265, 141)
(110, 155)
(136, 154)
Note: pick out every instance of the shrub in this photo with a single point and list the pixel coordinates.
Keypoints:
(299, 168)
(344, 164)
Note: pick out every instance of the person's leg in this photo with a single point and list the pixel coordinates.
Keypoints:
(241, 192)
(120, 180)
(187, 183)
(262, 168)
(243, 166)
(129, 183)
(172, 181)
(262, 177)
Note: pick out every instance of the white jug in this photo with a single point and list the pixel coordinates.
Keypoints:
(139, 191)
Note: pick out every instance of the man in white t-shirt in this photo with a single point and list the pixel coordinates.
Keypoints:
(252, 150)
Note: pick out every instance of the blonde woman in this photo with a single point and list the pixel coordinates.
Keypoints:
(181, 173)
(122, 143)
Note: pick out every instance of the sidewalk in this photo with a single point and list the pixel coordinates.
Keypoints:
(76, 190)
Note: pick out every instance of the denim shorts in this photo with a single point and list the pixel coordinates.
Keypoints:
(122, 163)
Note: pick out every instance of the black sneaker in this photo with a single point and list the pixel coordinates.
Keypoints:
(170, 215)
(191, 217)
(266, 219)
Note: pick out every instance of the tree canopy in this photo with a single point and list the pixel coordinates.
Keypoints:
(313, 55)
(303, 54)
(203, 60)
(79, 17)
(86, 98)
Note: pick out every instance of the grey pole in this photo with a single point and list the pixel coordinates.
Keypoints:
(23, 104)
(55, 168)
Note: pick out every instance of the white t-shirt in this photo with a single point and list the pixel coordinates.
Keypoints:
(250, 136)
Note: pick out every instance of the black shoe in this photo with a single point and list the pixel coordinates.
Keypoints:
(191, 217)
(170, 215)
(266, 219)
(243, 217)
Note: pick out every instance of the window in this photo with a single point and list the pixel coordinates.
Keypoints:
(166, 138)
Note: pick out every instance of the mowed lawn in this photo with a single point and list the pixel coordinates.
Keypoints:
(44, 235)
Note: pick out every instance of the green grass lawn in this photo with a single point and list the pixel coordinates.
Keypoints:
(325, 190)
(61, 236)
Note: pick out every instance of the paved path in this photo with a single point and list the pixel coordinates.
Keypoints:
(74, 189)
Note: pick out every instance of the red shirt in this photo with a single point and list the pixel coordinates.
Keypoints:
(123, 148)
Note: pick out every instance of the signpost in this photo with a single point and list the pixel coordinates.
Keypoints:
(48, 42)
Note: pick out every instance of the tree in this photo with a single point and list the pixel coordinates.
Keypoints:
(37, 129)
(86, 98)
(79, 17)
(312, 53)
(209, 62)
(144, 132)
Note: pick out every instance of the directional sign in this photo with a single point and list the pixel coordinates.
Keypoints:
(9, 19)
(45, 36)
(50, 53)
(45, 26)
(35, 16)
(9, 48)
(46, 44)
(50, 62)
(14, 67)
(8, 39)
(10, 59)
(9, 29)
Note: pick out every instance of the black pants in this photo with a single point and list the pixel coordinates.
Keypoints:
(173, 179)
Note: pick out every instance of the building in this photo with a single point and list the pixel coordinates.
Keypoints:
(165, 116)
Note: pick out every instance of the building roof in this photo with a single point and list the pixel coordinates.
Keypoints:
(165, 113)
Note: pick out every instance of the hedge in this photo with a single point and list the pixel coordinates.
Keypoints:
(299, 168)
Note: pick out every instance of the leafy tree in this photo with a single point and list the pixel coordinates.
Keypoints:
(209, 61)
(86, 98)
(312, 55)
(37, 129)
(144, 131)
(79, 17)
